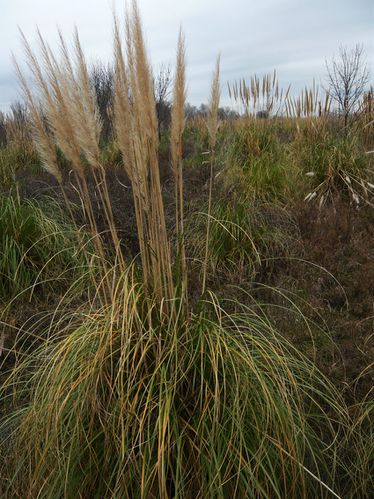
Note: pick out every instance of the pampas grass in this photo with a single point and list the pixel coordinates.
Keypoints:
(136, 126)
(212, 126)
(122, 406)
(136, 393)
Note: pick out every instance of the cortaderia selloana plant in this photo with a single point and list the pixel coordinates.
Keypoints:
(142, 393)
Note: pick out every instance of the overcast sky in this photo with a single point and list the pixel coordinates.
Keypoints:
(254, 36)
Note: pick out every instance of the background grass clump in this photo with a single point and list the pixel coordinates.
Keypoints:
(333, 163)
(13, 159)
(40, 251)
(256, 161)
(244, 238)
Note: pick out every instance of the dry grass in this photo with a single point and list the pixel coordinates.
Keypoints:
(176, 132)
(212, 125)
(260, 95)
(137, 131)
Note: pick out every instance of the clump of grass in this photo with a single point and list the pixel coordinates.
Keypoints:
(333, 163)
(14, 159)
(242, 238)
(137, 394)
(125, 405)
(309, 104)
(260, 97)
(16, 148)
(37, 249)
(256, 162)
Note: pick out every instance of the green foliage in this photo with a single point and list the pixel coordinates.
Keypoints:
(243, 235)
(37, 247)
(333, 162)
(14, 158)
(255, 161)
(362, 441)
(127, 405)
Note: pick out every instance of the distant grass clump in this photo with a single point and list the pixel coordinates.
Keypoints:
(14, 159)
(243, 236)
(17, 150)
(334, 162)
(39, 250)
(256, 161)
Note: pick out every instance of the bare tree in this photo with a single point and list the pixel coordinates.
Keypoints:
(162, 88)
(18, 127)
(102, 82)
(2, 129)
(347, 78)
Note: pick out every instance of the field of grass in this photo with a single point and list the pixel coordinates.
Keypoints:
(186, 311)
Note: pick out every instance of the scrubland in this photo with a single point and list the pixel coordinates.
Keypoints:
(186, 310)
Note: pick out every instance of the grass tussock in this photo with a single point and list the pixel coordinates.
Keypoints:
(142, 391)
(243, 238)
(257, 161)
(334, 164)
(38, 250)
(128, 405)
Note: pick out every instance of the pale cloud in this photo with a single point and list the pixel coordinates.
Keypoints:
(293, 36)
